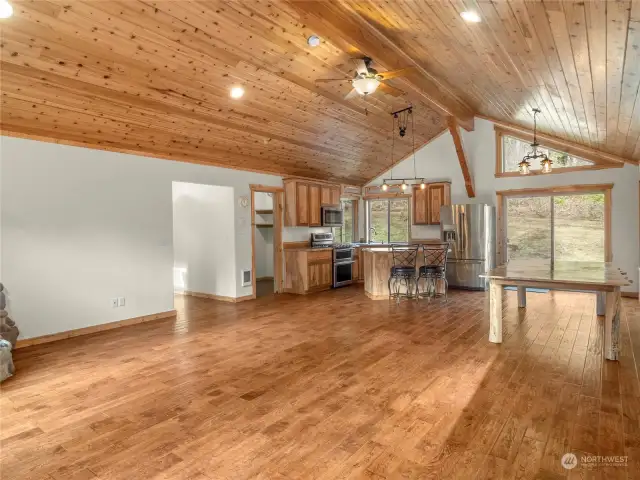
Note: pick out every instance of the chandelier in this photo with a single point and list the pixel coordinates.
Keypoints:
(402, 117)
(545, 162)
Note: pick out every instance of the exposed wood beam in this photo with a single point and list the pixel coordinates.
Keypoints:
(351, 31)
(597, 156)
(462, 157)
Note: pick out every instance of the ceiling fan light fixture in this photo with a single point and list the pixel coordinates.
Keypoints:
(365, 86)
(236, 92)
(470, 16)
(313, 41)
(6, 10)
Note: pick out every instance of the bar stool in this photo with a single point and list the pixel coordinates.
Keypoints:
(434, 269)
(403, 271)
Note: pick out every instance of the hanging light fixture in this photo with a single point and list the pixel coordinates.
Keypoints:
(545, 162)
(402, 117)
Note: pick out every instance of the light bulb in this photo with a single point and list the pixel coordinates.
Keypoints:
(385, 187)
(236, 92)
(546, 165)
(403, 186)
(313, 41)
(524, 167)
(470, 16)
(423, 185)
(6, 10)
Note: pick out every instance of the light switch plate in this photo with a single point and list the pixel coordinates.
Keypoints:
(121, 301)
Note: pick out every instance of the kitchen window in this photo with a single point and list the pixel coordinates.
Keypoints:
(388, 220)
(346, 233)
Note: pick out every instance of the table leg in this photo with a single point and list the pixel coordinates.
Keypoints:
(522, 297)
(495, 312)
(612, 325)
(601, 303)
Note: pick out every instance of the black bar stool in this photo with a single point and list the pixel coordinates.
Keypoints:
(434, 269)
(403, 271)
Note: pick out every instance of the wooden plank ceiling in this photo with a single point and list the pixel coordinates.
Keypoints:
(154, 77)
(578, 61)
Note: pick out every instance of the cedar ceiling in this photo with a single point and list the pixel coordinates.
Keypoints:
(154, 77)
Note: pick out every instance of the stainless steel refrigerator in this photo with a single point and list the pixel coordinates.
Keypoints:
(470, 230)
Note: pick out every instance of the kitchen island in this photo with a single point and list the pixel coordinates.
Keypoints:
(378, 260)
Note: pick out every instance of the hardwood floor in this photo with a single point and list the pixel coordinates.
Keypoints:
(330, 385)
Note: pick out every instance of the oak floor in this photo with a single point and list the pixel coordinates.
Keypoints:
(331, 385)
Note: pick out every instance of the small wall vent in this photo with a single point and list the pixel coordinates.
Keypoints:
(246, 278)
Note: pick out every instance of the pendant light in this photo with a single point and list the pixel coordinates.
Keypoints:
(545, 162)
(403, 121)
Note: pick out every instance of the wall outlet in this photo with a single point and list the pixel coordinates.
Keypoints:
(121, 301)
(114, 302)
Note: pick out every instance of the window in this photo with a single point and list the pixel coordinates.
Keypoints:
(556, 223)
(388, 220)
(345, 233)
(514, 150)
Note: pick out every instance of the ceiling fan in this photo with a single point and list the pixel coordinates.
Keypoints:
(367, 80)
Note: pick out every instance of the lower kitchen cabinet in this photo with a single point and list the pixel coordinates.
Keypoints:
(308, 270)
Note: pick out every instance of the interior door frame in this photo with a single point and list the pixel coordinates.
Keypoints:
(278, 207)
(502, 195)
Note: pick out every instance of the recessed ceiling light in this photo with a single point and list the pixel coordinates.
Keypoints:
(5, 9)
(237, 92)
(313, 41)
(470, 16)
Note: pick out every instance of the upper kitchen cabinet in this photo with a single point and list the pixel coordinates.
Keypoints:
(426, 202)
(330, 195)
(304, 200)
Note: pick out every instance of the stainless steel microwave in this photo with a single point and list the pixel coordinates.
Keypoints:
(332, 217)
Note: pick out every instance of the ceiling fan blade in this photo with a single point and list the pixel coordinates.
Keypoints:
(321, 80)
(361, 67)
(401, 72)
(389, 90)
(353, 93)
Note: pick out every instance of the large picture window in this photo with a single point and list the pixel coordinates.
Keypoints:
(388, 220)
(347, 232)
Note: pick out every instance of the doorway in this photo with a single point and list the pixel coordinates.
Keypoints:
(567, 223)
(266, 240)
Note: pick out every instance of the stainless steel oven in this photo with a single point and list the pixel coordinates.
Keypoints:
(331, 216)
(342, 273)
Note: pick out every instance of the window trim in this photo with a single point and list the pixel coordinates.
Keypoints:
(501, 196)
(598, 163)
(387, 199)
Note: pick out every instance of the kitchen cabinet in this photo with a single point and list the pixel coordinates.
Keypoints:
(303, 201)
(314, 206)
(302, 204)
(438, 194)
(356, 275)
(308, 270)
(419, 203)
(426, 203)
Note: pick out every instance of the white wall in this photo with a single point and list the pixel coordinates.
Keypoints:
(80, 226)
(264, 236)
(438, 161)
(204, 239)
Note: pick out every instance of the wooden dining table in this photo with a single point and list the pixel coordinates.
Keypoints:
(601, 277)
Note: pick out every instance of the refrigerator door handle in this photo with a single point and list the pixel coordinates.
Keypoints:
(463, 235)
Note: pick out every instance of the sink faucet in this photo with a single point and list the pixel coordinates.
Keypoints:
(371, 229)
